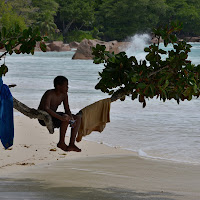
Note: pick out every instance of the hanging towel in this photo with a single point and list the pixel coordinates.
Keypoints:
(6, 116)
(94, 118)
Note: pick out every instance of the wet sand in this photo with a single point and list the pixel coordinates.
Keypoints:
(98, 172)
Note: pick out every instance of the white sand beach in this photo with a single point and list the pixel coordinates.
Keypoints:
(34, 168)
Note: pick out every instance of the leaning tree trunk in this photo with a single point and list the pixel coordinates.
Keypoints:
(42, 115)
(33, 113)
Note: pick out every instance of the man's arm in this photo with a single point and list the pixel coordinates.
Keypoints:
(66, 106)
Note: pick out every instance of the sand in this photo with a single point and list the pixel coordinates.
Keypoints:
(34, 168)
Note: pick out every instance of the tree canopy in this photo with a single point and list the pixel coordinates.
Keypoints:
(172, 77)
(103, 19)
(120, 19)
(9, 16)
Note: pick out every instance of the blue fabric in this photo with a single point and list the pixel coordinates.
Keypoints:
(6, 116)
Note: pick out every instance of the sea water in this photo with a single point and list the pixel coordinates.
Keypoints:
(161, 130)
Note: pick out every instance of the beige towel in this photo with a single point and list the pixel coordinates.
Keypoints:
(94, 118)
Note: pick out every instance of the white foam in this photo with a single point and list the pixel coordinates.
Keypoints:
(138, 43)
(142, 153)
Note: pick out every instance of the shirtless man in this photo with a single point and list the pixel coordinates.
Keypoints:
(50, 102)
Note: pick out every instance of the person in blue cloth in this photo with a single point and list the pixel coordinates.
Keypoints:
(6, 116)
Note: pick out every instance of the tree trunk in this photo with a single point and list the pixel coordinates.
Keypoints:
(42, 115)
(33, 113)
(115, 97)
(67, 27)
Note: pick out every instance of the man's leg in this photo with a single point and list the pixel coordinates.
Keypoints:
(63, 129)
(74, 131)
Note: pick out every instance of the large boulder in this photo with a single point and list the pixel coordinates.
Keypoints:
(84, 50)
(74, 45)
(58, 46)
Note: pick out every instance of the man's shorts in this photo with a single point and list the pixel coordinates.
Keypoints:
(56, 122)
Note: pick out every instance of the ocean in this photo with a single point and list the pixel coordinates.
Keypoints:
(166, 131)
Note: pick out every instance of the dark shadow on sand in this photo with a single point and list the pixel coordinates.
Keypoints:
(15, 189)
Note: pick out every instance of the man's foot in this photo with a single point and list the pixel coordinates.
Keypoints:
(73, 147)
(62, 146)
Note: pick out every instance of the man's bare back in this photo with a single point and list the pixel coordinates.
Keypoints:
(55, 100)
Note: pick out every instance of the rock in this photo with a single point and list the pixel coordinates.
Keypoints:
(74, 45)
(84, 50)
(65, 47)
(55, 46)
(192, 39)
(48, 48)
(59, 46)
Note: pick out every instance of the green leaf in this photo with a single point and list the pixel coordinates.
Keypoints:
(3, 32)
(32, 51)
(134, 95)
(166, 84)
(146, 49)
(17, 51)
(45, 39)
(25, 33)
(123, 98)
(144, 104)
(134, 79)
(141, 85)
(43, 46)
(150, 56)
(3, 70)
(195, 88)
(11, 52)
(161, 51)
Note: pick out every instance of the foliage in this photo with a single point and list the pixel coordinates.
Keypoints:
(174, 77)
(186, 11)
(18, 41)
(106, 19)
(25, 10)
(9, 17)
(123, 18)
(47, 9)
(79, 13)
(78, 35)
(46, 24)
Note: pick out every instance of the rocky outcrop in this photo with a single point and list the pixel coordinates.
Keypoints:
(84, 50)
(74, 45)
(192, 39)
(58, 46)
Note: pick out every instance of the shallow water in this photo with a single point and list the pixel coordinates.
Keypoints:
(27, 189)
(161, 130)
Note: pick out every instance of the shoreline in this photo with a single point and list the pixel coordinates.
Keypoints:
(33, 146)
(26, 149)
(36, 169)
(53, 145)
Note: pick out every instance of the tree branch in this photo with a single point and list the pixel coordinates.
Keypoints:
(33, 113)
(151, 74)
(68, 26)
(117, 96)
(2, 55)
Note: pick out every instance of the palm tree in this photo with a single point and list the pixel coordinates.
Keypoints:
(46, 24)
